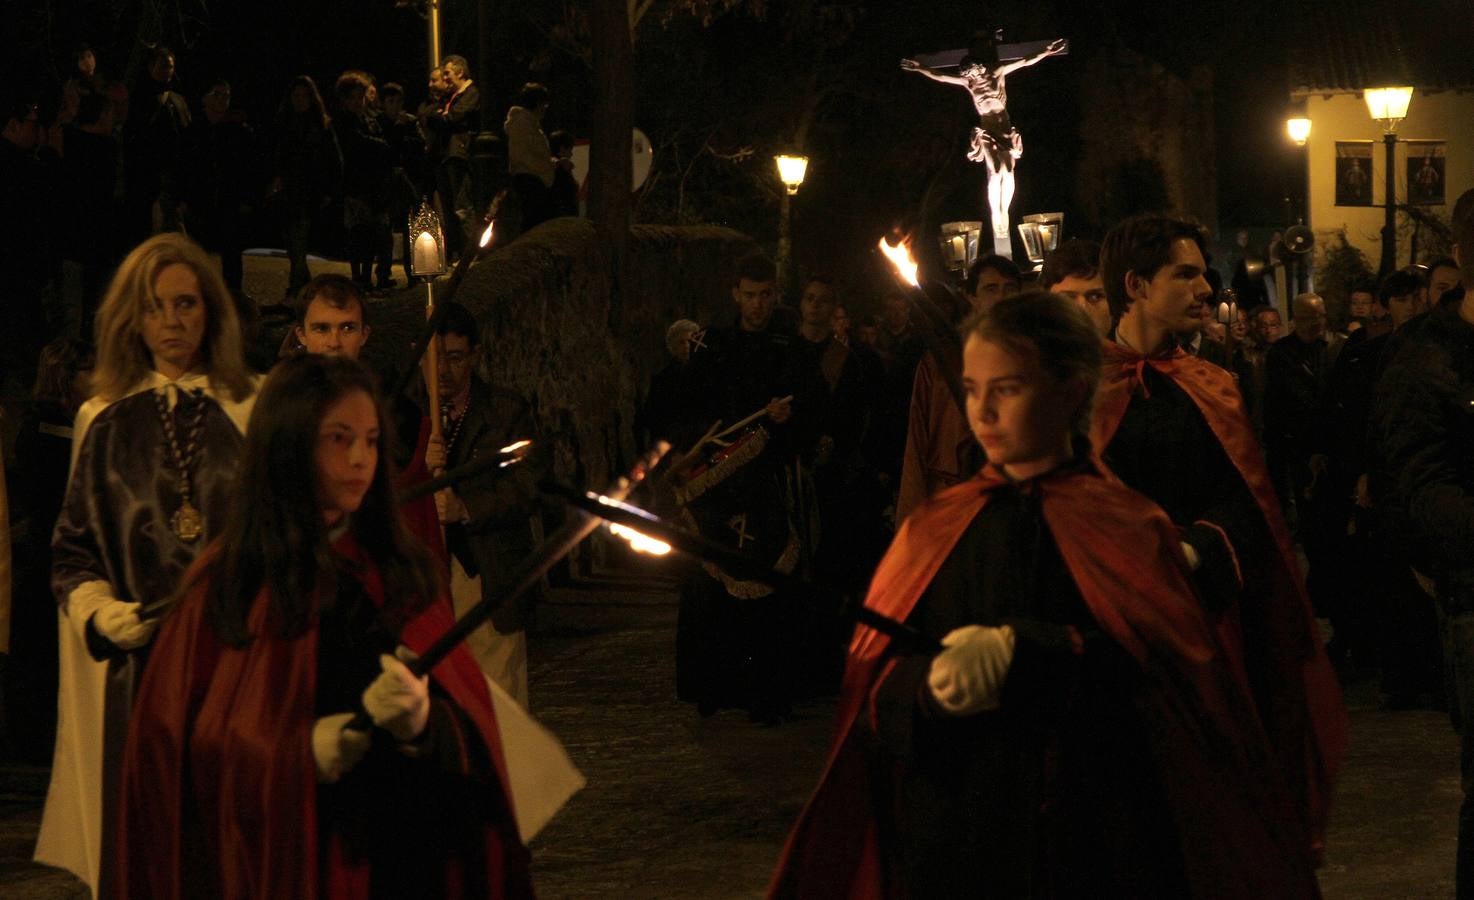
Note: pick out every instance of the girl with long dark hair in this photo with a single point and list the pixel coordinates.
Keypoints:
(240, 779)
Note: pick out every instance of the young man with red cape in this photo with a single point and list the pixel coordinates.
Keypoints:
(1174, 428)
(240, 778)
(1080, 734)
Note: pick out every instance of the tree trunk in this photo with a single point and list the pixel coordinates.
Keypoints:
(609, 137)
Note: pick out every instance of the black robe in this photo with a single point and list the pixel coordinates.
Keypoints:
(113, 539)
(1053, 794)
(1165, 449)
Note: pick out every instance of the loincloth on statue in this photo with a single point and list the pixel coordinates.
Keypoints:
(1004, 146)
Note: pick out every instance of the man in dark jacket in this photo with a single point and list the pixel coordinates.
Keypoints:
(1377, 603)
(458, 122)
(1422, 411)
(489, 521)
(367, 166)
(1299, 367)
(153, 142)
(220, 171)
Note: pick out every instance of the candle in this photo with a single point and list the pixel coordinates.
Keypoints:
(426, 254)
(1223, 313)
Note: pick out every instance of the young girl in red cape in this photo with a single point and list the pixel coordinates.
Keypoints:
(240, 779)
(1080, 734)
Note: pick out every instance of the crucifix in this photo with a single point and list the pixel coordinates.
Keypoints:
(981, 71)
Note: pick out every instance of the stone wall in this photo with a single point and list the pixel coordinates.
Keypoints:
(562, 331)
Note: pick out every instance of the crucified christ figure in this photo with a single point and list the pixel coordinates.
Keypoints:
(994, 141)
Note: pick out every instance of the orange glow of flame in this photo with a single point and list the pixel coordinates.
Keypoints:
(900, 258)
(640, 543)
(515, 447)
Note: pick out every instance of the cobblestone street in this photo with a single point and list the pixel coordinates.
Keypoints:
(681, 807)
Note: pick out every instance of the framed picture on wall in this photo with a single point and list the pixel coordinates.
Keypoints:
(1426, 161)
(1353, 173)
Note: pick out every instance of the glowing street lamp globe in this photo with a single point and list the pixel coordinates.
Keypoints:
(1388, 105)
(791, 171)
(1298, 128)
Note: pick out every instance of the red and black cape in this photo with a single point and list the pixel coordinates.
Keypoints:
(1300, 699)
(220, 747)
(1240, 833)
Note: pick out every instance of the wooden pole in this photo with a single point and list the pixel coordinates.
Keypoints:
(432, 365)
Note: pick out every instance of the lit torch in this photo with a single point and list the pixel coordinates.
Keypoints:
(934, 327)
(640, 543)
(900, 258)
(624, 516)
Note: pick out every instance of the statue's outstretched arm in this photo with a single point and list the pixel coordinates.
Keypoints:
(911, 65)
(1053, 48)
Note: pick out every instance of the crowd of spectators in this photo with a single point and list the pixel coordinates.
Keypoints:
(336, 169)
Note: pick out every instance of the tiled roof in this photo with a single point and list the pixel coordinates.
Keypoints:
(1348, 45)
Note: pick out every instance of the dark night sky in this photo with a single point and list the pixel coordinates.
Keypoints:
(686, 73)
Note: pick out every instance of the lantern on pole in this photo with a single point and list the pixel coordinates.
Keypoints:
(1041, 233)
(791, 170)
(959, 242)
(427, 261)
(1388, 105)
(427, 243)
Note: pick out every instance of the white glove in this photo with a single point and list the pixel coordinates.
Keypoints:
(119, 622)
(337, 750)
(397, 701)
(967, 677)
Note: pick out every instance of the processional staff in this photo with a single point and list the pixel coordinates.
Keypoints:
(427, 262)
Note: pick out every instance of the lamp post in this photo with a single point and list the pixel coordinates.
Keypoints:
(1297, 127)
(1388, 105)
(791, 171)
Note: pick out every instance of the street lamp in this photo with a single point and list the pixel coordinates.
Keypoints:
(1298, 128)
(791, 170)
(1388, 105)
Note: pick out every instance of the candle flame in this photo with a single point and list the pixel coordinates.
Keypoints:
(486, 235)
(640, 543)
(900, 258)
